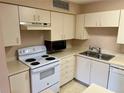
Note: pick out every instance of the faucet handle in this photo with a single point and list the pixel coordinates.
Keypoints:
(99, 50)
(90, 47)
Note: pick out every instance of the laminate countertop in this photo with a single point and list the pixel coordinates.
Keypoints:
(67, 52)
(93, 88)
(16, 67)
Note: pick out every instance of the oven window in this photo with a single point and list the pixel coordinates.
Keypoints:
(47, 73)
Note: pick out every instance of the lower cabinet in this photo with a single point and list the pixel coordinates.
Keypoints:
(67, 69)
(83, 69)
(90, 71)
(99, 73)
(20, 83)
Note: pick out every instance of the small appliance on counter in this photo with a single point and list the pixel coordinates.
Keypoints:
(54, 46)
(44, 69)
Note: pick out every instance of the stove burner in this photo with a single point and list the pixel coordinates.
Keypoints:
(50, 58)
(35, 63)
(45, 56)
(30, 60)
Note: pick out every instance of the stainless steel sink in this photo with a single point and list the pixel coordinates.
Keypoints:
(101, 56)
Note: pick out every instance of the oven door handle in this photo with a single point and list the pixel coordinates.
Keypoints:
(41, 69)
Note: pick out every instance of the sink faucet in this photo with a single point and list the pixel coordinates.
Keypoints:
(96, 48)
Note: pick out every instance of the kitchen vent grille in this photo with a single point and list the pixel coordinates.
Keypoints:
(61, 4)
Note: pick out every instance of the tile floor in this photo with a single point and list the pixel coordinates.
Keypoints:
(73, 87)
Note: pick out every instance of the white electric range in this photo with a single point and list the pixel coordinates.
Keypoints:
(44, 69)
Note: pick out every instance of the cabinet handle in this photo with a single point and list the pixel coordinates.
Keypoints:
(80, 36)
(26, 76)
(38, 18)
(34, 17)
(100, 23)
(63, 36)
(17, 40)
(96, 24)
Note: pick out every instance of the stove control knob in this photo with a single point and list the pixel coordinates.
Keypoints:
(47, 83)
(33, 49)
(20, 52)
(23, 51)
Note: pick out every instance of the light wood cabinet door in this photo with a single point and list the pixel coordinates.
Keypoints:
(27, 14)
(69, 26)
(67, 69)
(56, 26)
(43, 16)
(81, 32)
(83, 69)
(120, 37)
(92, 20)
(109, 18)
(20, 83)
(9, 24)
(99, 73)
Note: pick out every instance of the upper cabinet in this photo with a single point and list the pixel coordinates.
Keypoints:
(9, 24)
(27, 14)
(62, 27)
(110, 18)
(56, 26)
(91, 20)
(81, 32)
(69, 26)
(120, 37)
(34, 15)
(103, 19)
(34, 19)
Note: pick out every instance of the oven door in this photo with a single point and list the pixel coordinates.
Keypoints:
(44, 77)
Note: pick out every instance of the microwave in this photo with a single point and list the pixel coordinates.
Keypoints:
(54, 46)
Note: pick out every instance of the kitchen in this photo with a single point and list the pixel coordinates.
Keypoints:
(32, 24)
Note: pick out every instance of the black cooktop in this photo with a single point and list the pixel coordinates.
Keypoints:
(35, 63)
(30, 60)
(45, 56)
(50, 58)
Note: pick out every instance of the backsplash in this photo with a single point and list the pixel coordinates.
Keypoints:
(28, 38)
(101, 37)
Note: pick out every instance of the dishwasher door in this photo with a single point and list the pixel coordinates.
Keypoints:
(116, 80)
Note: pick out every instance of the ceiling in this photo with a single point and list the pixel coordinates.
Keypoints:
(83, 1)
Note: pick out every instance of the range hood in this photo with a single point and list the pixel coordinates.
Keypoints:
(35, 26)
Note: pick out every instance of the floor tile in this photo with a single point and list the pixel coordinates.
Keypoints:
(73, 87)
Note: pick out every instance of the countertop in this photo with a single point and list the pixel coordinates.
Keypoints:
(67, 52)
(118, 61)
(16, 67)
(93, 88)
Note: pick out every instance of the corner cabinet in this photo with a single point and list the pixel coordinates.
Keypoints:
(67, 69)
(81, 32)
(90, 71)
(62, 27)
(120, 37)
(20, 83)
(9, 24)
(102, 19)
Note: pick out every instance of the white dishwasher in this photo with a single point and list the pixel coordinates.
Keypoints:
(116, 79)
